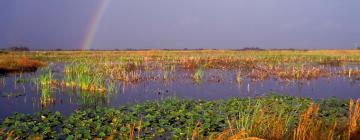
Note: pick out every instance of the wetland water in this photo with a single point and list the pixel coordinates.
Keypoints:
(19, 92)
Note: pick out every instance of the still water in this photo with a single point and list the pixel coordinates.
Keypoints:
(19, 92)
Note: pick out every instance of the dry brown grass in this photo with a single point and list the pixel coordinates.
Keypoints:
(354, 115)
(241, 135)
(36, 137)
(238, 135)
(195, 133)
(308, 127)
(223, 134)
(311, 128)
(19, 65)
(9, 136)
(277, 130)
(132, 129)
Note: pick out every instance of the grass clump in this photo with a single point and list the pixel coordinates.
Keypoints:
(19, 65)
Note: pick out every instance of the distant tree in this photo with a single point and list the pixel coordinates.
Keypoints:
(252, 49)
(291, 49)
(18, 48)
(58, 49)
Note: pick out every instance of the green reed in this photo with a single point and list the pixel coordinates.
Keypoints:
(198, 75)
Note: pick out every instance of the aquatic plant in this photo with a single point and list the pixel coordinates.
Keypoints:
(127, 66)
(350, 73)
(271, 117)
(198, 75)
(45, 76)
(238, 78)
(45, 81)
(90, 73)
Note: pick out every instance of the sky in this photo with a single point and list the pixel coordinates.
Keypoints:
(178, 24)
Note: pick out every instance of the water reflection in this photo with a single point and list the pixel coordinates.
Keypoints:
(30, 92)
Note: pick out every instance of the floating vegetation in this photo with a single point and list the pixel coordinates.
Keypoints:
(270, 117)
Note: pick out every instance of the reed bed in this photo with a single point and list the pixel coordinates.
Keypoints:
(19, 64)
(91, 68)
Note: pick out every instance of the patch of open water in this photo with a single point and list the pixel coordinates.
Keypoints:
(18, 92)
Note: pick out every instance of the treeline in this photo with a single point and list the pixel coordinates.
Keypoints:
(25, 48)
(16, 48)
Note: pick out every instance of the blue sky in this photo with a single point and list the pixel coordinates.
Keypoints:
(170, 24)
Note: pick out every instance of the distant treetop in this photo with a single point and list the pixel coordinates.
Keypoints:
(18, 48)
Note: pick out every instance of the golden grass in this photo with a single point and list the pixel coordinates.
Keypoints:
(251, 138)
(241, 135)
(354, 115)
(132, 129)
(308, 127)
(277, 126)
(9, 136)
(238, 135)
(36, 137)
(195, 133)
(19, 65)
(223, 134)
(178, 53)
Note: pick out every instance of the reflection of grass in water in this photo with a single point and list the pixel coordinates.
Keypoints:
(111, 86)
(166, 75)
(285, 65)
(238, 78)
(45, 80)
(89, 100)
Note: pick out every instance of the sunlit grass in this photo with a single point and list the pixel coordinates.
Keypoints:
(94, 75)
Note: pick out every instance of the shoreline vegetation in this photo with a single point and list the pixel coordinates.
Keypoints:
(264, 117)
(11, 65)
(268, 117)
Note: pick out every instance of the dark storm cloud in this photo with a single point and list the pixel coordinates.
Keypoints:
(183, 23)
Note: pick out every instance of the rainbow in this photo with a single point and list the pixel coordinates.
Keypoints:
(94, 24)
